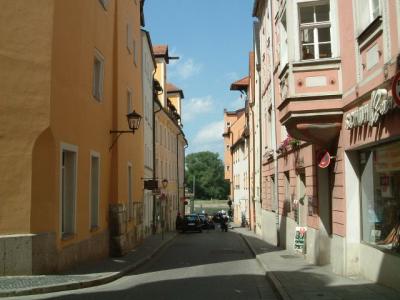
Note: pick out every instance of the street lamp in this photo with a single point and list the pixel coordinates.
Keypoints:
(133, 122)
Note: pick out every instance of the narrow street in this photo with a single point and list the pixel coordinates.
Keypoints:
(212, 264)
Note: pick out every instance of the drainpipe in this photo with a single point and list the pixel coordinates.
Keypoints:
(274, 134)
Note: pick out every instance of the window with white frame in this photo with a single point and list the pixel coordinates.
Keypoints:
(130, 192)
(129, 106)
(94, 190)
(98, 76)
(367, 12)
(315, 30)
(68, 178)
(283, 41)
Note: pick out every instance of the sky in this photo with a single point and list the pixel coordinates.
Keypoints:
(213, 39)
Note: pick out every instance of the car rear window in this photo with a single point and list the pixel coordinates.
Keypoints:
(191, 218)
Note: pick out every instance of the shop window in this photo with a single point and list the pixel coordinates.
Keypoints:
(315, 31)
(380, 196)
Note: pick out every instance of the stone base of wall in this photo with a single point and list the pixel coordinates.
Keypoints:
(312, 248)
(287, 233)
(268, 224)
(88, 250)
(29, 254)
(379, 266)
(338, 254)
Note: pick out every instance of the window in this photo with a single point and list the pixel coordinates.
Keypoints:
(272, 193)
(129, 38)
(94, 190)
(129, 101)
(130, 195)
(368, 11)
(228, 124)
(315, 31)
(283, 41)
(68, 189)
(135, 53)
(104, 3)
(380, 196)
(98, 76)
(227, 168)
(287, 203)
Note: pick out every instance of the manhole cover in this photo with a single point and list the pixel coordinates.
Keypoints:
(288, 256)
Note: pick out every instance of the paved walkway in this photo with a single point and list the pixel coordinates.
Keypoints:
(83, 276)
(294, 278)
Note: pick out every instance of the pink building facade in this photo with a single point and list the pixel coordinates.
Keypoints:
(325, 71)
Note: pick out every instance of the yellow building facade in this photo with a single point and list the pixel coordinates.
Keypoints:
(71, 71)
(170, 143)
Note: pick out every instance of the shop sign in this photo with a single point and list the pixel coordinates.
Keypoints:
(300, 239)
(380, 104)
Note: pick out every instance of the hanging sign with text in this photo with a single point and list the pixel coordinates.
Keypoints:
(300, 239)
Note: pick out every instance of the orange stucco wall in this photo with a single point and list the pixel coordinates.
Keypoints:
(25, 74)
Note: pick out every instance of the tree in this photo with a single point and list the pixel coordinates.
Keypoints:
(209, 172)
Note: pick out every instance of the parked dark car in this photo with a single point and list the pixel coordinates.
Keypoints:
(192, 223)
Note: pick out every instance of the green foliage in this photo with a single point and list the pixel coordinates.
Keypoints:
(209, 172)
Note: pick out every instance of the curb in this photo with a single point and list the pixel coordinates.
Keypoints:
(276, 284)
(87, 283)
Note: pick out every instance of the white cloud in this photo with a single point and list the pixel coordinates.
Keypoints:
(210, 134)
(184, 69)
(195, 107)
(208, 138)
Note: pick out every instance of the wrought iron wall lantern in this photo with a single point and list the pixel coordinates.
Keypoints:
(133, 122)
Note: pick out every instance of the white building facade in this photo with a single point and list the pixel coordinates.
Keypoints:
(148, 68)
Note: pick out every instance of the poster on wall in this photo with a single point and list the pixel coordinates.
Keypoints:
(300, 239)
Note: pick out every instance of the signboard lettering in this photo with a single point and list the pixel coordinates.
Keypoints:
(380, 104)
(300, 239)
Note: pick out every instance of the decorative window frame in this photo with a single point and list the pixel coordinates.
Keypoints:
(334, 28)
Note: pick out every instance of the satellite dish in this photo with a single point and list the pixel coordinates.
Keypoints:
(323, 159)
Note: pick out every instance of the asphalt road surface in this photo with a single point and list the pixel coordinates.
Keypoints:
(209, 265)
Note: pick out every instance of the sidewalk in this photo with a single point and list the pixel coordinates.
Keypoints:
(294, 278)
(84, 276)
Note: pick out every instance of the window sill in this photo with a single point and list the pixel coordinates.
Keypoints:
(313, 62)
(68, 236)
(94, 228)
(382, 249)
